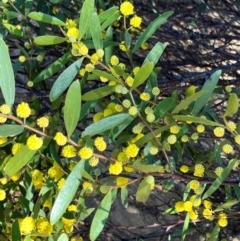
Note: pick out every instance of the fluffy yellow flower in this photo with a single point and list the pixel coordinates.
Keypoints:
(219, 131)
(85, 153)
(188, 206)
(43, 122)
(200, 128)
(34, 142)
(207, 204)
(195, 203)
(145, 96)
(93, 161)
(222, 221)
(61, 183)
(114, 60)
(126, 8)
(227, 148)
(132, 150)
(68, 224)
(15, 177)
(69, 151)
(37, 179)
(44, 226)
(79, 49)
(16, 148)
(55, 172)
(23, 110)
(5, 109)
(208, 214)
(27, 225)
(199, 170)
(3, 140)
(100, 144)
(72, 208)
(87, 186)
(73, 33)
(2, 194)
(194, 184)
(135, 21)
(174, 129)
(179, 206)
(171, 139)
(60, 139)
(184, 168)
(193, 215)
(70, 23)
(115, 168)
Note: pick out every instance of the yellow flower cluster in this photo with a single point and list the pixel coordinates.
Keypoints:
(43, 122)
(37, 178)
(219, 131)
(115, 168)
(126, 8)
(93, 161)
(44, 226)
(132, 150)
(60, 139)
(2, 194)
(5, 109)
(100, 144)
(34, 142)
(55, 172)
(79, 49)
(145, 96)
(184, 168)
(227, 148)
(69, 151)
(68, 224)
(27, 225)
(174, 129)
(135, 21)
(85, 153)
(23, 110)
(199, 170)
(3, 140)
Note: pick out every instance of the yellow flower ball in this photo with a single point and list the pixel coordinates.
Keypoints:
(44, 226)
(16, 176)
(188, 206)
(132, 150)
(208, 214)
(222, 222)
(72, 208)
(207, 204)
(145, 96)
(3, 140)
(5, 109)
(171, 139)
(179, 206)
(22, 58)
(227, 148)
(73, 32)
(85, 153)
(114, 60)
(194, 184)
(184, 168)
(61, 183)
(27, 225)
(199, 170)
(126, 8)
(100, 144)
(43, 122)
(174, 129)
(237, 139)
(69, 151)
(2, 194)
(16, 148)
(135, 21)
(231, 126)
(60, 139)
(23, 110)
(200, 128)
(34, 142)
(115, 168)
(193, 215)
(219, 131)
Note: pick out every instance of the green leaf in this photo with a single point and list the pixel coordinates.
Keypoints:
(10, 130)
(163, 107)
(85, 17)
(96, 32)
(67, 193)
(105, 75)
(232, 105)
(100, 216)
(146, 168)
(13, 29)
(72, 107)
(143, 191)
(149, 31)
(110, 20)
(155, 54)
(28, 6)
(215, 233)
(48, 40)
(185, 103)
(196, 120)
(226, 205)
(107, 14)
(218, 182)
(63, 237)
(98, 93)
(16, 234)
(105, 124)
(185, 226)
(124, 196)
(167, 185)
(208, 88)
(45, 18)
(53, 68)
(23, 156)
(142, 74)
(7, 80)
(108, 51)
(65, 79)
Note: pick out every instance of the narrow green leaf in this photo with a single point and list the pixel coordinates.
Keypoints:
(208, 88)
(107, 14)
(65, 79)
(163, 107)
(85, 17)
(14, 30)
(7, 80)
(63, 237)
(185, 226)
(218, 182)
(16, 234)
(67, 193)
(96, 32)
(149, 31)
(105, 75)
(196, 120)
(146, 168)
(110, 20)
(226, 205)
(48, 40)
(232, 105)
(105, 124)
(142, 74)
(185, 103)
(45, 18)
(217, 153)
(215, 233)
(108, 51)
(19, 160)
(143, 191)
(28, 6)
(10, 130)
(98, 93)
(53, 68)
(155, 53)
(167, 185)
(124, 196)
(72, 107)
(100, 216)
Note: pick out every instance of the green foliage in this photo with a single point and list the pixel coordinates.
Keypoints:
(107, 126)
